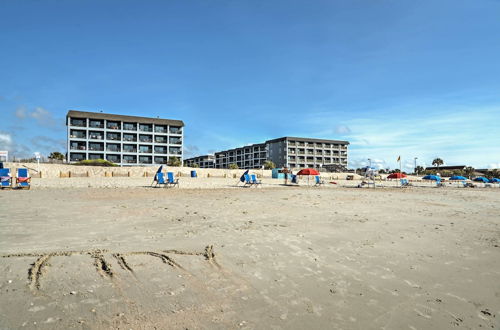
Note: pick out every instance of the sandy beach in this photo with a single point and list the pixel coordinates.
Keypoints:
(111, 253)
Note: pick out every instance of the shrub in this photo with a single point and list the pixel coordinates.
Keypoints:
(96, 162)
(174, 161)
(233, 166)
(269, 165)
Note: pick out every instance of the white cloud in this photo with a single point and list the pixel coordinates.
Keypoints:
(21, 112)
(5, 140)
(462, 136)
(342, 129)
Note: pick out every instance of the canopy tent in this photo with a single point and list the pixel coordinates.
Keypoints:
(495, 180)
(481, 179)
(432, 177)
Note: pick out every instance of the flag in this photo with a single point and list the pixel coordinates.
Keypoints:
(399, 158)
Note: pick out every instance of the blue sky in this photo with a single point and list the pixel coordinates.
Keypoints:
(410, 78)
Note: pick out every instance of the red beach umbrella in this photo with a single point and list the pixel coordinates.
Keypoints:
(396, 176)
(308, 171)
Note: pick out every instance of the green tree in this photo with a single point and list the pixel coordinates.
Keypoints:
(269, 165)
(419, 169)
(174, 161)
(195, 165)
(437, 162)
(469, 171)
(56, 155)
(233, 166)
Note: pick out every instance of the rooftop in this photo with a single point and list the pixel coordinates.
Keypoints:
(134, 119)
(301, 139)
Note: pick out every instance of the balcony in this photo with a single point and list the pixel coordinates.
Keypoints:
(129, 127)
(161, 129)
(161, 150)
(96, 156)
(175, 140)
(113, 136)
(113, 147)
(145, 138)
(129, 148)
(130, 137)
(78, 122)
(96, 123)
(145, 127)
(113, 125)
(175, 151)
(113, 158)
(175, 130)
(96, 147)
(96, 136)
(161, 139)
(77, 134)
(128, 159)
(145, 149)
(145, 159)
(78, 146)
(76, 157)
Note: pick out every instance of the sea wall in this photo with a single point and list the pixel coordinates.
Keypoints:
(69, 171)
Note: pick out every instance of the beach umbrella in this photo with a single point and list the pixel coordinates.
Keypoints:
(458, 178)
(396, 176)
(481, 179)
(242, 178)
(308, 171)
(432, 178)
(495, 180)
(157, 171)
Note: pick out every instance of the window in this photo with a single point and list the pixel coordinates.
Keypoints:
(113, 124)
(145, 149)
(95, 123)
(77, 134)
(129, 148)
(129, 126)
(130, 159)
(161, 129)
(146, 127)
(114, 147)
(78, 146)
(145, 138)
(96, 146)
(175, 150)
(78, 122)
(175, 130)
(129, 137)
(113, 136)
(175, 140)
(96, 156)
(113, 158)
(160, 150)
(76, 157)
(145, 160)
(161, 139)
(94, 135)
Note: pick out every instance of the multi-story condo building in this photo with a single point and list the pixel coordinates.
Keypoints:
(206, 161)
(293, 152)
(124, 140)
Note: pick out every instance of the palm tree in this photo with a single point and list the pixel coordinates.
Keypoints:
(437, 162)
(469, 171)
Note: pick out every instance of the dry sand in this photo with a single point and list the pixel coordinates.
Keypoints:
(273, 258)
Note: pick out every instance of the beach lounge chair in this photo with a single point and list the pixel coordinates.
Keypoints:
(171, 181)
(159, 179)
(248, 180)
(23, 180)
(404, 182)
(5, 178)
(294, 179)
(254, 180)
(318, 181)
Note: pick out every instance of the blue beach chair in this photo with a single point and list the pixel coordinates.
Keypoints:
(318, 181)
(171, 181)
(404, 182)
(159, 179)
(248, 180)
(23, 180)
(254, 180)
(5, 178)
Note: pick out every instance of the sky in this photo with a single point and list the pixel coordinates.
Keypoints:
(394, 78)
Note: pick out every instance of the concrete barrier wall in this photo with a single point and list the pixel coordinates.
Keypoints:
(68, 171)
